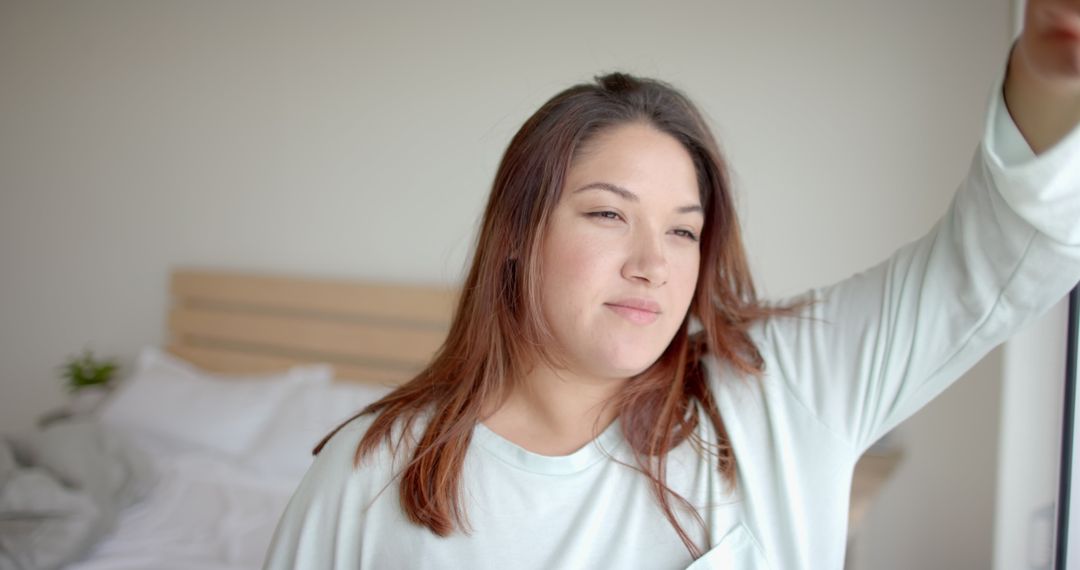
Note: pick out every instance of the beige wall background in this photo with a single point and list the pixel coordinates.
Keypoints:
(360, 140)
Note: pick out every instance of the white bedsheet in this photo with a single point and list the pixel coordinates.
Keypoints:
(206, 512)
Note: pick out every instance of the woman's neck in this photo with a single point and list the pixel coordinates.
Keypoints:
(555, 412)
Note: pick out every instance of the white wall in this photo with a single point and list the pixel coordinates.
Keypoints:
(350, 140)
(1030, 443)
(938, 510)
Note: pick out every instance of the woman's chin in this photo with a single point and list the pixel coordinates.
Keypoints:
(617, 358)
(627, 367)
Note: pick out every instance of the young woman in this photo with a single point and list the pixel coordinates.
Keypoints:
(612, 394)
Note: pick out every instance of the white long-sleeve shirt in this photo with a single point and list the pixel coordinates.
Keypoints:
(879, 346)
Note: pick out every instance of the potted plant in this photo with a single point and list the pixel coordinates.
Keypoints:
(88, 380)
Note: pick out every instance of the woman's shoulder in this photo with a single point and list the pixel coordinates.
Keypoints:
(335, 499)
(341, 459)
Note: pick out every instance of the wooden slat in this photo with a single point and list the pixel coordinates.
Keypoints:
(222, 360)
(290, 333)
(341, 298)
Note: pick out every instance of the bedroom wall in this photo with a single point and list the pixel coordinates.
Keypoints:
(1029, 444)
(359, 141)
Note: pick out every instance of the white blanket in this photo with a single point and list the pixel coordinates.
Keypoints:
(61, 490)
(206, 512)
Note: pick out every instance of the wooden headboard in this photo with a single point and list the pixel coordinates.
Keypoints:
(246, 322)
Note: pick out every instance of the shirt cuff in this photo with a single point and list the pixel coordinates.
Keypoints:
(1043, 189)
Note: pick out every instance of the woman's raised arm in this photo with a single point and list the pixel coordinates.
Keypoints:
(881, 344)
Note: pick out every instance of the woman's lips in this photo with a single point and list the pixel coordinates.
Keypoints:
(636, 316)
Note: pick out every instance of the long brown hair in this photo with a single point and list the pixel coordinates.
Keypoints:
(498, 327)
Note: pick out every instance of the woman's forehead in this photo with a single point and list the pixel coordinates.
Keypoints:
(635, 158)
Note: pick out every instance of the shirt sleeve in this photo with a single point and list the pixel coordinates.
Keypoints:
(878, 346)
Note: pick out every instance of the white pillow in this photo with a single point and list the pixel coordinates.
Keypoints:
(283, 451)
(170, 398)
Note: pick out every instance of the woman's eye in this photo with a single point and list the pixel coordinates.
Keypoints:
(686, 234)
(607, 215)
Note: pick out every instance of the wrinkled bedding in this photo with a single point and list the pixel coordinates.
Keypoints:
(205, 513)
(62, 490)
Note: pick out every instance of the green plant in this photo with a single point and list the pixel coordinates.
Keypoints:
(82, 371)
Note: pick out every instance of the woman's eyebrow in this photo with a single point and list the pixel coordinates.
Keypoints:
(619, 190)
(628, 195)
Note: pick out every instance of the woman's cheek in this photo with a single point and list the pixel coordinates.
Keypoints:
(587, 251)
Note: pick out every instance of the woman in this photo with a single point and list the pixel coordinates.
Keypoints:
(576, 418)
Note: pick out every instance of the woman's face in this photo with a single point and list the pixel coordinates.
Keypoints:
(621, 251)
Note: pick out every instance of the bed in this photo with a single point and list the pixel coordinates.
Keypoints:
(201, 446)
(217, 425)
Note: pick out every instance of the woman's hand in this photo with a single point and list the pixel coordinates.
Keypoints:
(1042, 85)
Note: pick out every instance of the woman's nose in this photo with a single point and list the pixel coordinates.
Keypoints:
(646, 261)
